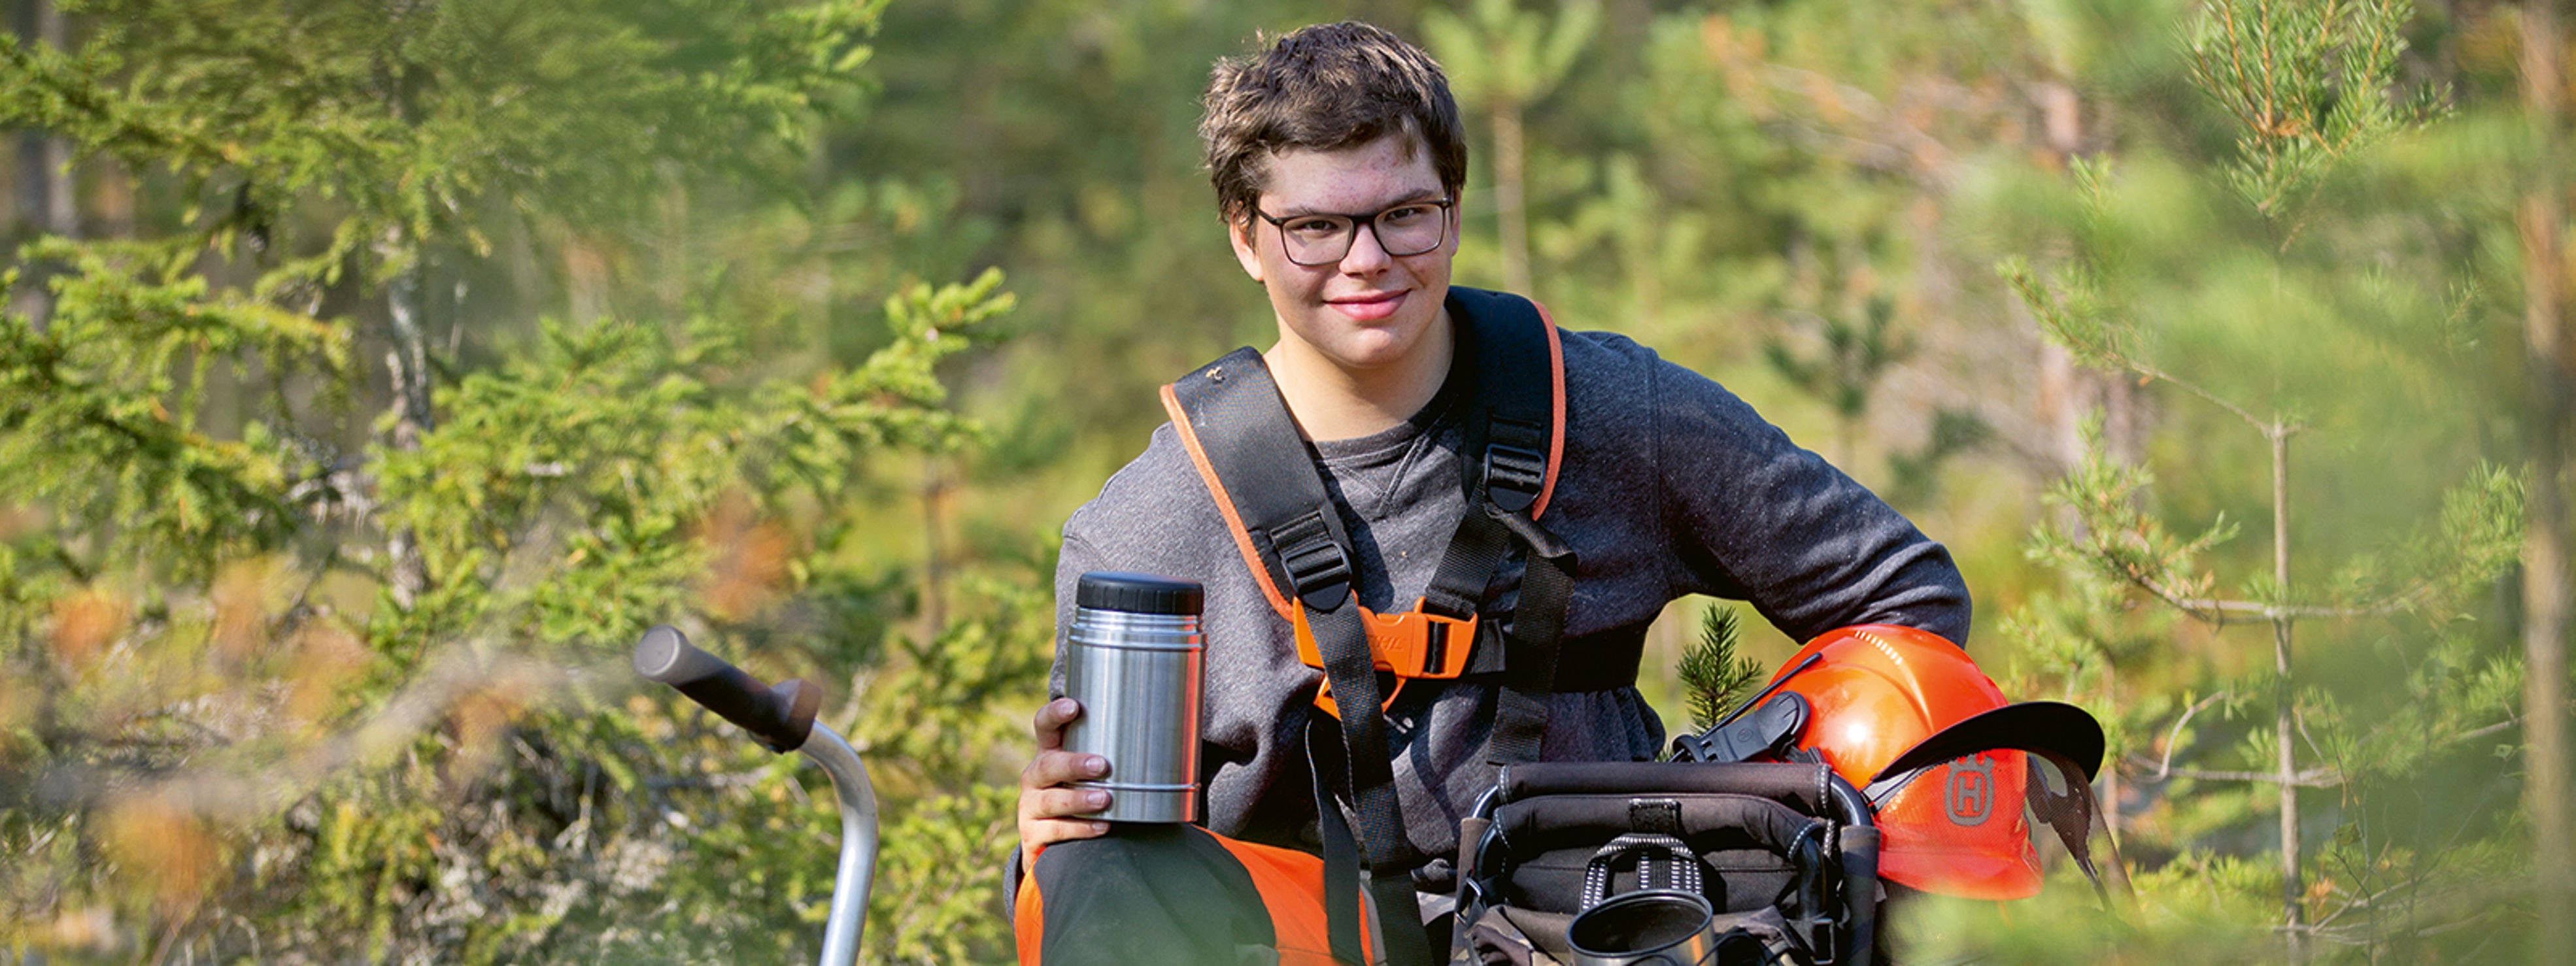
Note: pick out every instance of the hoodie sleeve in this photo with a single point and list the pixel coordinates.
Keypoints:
(1752, 516)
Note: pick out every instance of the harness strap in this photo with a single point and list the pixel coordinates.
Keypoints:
(1518, 443)
(1390, 887)
(1236, 419)
(1341, 855)
(1389, 855)
(1236, 426)
(1476, 548)
(1514, 443)
(1232, 422)
(1510, 363)
(1538, 623)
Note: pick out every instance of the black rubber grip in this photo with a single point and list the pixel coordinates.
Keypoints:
(781, 717)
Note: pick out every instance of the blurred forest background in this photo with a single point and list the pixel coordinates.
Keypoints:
(374, 371)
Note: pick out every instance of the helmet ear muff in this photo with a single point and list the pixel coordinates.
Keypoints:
(1961, 828)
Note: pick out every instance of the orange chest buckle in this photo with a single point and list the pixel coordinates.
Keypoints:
(1409, 644)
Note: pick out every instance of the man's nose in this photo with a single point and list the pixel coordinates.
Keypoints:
(1366, 255)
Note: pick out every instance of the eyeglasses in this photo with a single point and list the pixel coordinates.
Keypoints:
(1323, 238)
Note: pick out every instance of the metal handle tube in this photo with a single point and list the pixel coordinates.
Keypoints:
(777, 716)
(783, 719)
(848, 920)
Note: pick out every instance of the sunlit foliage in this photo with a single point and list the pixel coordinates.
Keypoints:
(410, 357)
(305, 667)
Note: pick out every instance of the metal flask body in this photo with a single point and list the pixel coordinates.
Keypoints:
(1133, 660)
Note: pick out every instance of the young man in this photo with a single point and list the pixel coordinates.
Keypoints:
(1338, 162)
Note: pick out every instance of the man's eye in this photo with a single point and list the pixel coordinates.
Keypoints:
(1405, 215)
(1316, 226)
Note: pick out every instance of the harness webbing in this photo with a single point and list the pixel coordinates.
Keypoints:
(1236, 426)
(1294, 516)
(1529, 663)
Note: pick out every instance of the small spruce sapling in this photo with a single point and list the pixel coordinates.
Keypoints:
(1714, 677)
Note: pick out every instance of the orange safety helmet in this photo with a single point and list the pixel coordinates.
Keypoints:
(1905, 716)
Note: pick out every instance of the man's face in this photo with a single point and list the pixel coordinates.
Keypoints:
(1368, 310)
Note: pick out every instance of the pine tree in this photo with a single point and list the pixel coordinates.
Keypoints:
(2309, 89)
(1505, 59)
(1715, 679)
(327, 529)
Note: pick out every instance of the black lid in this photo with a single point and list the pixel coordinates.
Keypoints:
(1138, 593)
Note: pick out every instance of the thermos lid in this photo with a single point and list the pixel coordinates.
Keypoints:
(1138, 593)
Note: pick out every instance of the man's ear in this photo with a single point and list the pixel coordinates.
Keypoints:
(1240, 235)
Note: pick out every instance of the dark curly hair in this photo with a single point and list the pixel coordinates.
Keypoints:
(1324, 88)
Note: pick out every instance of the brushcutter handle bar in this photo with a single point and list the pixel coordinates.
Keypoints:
(781, 717)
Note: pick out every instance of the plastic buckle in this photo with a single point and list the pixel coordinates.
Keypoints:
(1312, 656)
(1420, 644)
(1324, 698)
(1412, 644)
(1318, 572)
(1513, 476)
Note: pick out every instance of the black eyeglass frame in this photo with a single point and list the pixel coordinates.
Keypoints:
(1351, 236)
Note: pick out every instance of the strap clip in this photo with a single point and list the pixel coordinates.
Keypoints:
(1319, 573)
(1764, 734)
(1513, 477)
(1420, 644)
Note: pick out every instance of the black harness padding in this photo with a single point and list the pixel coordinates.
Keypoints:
(1244, 429)
(1242, 423)
(1264, 469)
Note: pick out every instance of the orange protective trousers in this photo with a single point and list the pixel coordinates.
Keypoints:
(1171, 894)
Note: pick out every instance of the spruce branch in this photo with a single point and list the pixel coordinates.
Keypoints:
(1714, 677)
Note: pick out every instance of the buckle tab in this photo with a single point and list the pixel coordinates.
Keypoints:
(1410, 644)
(1513, 477)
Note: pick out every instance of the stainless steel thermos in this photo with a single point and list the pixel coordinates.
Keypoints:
(1133, 659)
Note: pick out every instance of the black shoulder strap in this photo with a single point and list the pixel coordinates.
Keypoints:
(1509, 363)
(1520, 395)
(1515, 438)
(1238, 427)
(1231, 418)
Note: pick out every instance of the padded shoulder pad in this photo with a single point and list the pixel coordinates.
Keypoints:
(1520, 392)
(1240, 437)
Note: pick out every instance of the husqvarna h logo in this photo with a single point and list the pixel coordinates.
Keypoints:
(1972, 790)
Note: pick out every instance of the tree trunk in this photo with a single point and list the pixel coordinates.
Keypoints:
(407, 370)
(2111, 766)
(2284, 729)
(2061, 384)
(45, 199)
(1510, 208)
(2545, 549)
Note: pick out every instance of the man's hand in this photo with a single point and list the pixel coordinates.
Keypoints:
(1049, 810)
